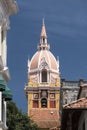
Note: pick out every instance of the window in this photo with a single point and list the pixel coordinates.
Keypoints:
(35, 104)
(52, 104)
(43, 40)
(43, 48)
(44, 103)
(44, 76)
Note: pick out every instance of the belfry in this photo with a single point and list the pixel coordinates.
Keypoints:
(43, 88)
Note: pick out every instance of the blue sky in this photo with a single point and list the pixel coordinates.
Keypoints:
(66, 25)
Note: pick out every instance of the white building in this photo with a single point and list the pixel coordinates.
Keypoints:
(7, 8)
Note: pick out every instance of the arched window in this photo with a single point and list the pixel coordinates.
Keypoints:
(44, 76)
(44, 103)
(43, 40)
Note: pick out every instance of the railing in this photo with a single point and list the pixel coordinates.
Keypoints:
(72, 82)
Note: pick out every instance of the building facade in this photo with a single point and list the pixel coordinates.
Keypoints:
(7, 8)
(43, 88)
(74, 113)
(70, 89)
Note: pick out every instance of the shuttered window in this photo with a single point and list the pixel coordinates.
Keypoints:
(52, 104)
(35, 104)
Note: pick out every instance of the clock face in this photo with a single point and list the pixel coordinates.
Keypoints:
(52, 96)
(36, 96)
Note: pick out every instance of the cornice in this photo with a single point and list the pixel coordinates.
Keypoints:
(38, 70)
(27, 88)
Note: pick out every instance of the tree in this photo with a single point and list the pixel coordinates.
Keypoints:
(17, 120)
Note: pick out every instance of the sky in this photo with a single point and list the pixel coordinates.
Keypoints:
(66, 26)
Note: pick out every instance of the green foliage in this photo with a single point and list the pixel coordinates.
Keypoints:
(17, 120)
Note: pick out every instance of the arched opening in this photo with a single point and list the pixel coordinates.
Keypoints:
(44, 75)
(43, 40)
(44, 103)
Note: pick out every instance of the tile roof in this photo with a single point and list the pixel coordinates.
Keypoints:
(80, 103)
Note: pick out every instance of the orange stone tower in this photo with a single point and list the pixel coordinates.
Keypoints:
(43, 88)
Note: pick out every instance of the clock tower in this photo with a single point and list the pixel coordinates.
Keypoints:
(43, 88)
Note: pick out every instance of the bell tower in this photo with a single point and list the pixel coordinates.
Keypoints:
(43, 88)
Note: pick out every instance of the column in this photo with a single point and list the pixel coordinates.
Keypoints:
(4, 48)
(39, 99)
(48, 100)
(1, 123)
(40, 77)
(48, 76)
(4, 113)
(0, 106)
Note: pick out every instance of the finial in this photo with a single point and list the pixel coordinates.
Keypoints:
(58, 62)
(43, 31)
(28, 60)
(43, 38)
(43, 22)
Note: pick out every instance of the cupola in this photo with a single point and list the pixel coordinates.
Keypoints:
(43, 66)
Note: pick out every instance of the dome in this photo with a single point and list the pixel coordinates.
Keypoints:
(43, 67)
(45, 55)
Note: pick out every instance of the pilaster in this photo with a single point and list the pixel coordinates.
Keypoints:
(4, 113)
(48, 102)
(39, 103)
(39, 99)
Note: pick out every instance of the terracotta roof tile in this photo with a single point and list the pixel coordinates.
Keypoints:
(80, 103)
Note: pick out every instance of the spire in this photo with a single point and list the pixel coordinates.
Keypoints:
(43, 34)
(43, 39)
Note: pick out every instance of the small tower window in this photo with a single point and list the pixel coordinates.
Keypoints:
(52, 104)
(35, 104)
(44, 76)
(35, 100)
(43, 48)
(43, 40)
(44, 103)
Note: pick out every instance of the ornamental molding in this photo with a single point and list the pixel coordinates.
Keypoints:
(43, 64)
(38, 70)
(27, 88)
